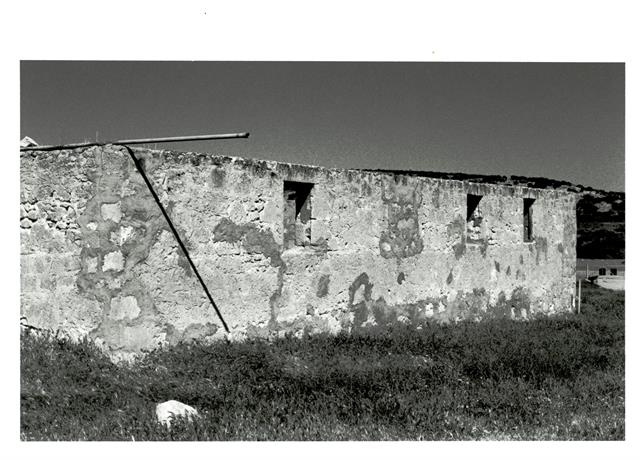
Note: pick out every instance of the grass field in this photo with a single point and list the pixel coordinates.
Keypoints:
(547, 378)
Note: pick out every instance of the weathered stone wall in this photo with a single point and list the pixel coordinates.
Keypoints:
(98, 258)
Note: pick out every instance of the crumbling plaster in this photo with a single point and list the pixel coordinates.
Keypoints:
(98, 258)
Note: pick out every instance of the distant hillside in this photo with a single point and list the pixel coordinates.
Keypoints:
(601, 225)
(600, 213)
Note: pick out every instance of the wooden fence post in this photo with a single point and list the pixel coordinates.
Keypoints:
(579, 294)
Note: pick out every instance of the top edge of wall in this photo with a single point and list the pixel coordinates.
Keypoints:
(217, 159)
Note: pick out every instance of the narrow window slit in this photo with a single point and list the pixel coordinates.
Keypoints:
(474, 218)
(527, 219)
(297, 214)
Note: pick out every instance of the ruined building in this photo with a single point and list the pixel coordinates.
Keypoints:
(281, 247)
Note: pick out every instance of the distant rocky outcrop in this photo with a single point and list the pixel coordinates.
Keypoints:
(600, 213)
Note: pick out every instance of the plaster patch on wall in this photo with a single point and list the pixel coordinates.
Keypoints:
(252, 238)
(541, 248)
(457, 230)
(276, 298)
(111, 211)
(124, 308)
(450, 277)
(518, 305)
(92, 264)
(113, 261)
(323, 286)
(359, 297)
(195, 331)
(183, 262)
(217, 176)
(124, 235)
(466, 304)
(435, 198)
(402, 238)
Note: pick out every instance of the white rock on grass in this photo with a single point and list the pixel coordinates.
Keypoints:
(166, 411)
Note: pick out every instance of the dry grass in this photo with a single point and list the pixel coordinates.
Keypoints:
(548, 378)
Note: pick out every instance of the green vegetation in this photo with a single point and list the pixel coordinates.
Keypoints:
(547, 378)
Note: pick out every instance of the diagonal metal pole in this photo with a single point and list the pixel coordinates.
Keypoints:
(175, 233)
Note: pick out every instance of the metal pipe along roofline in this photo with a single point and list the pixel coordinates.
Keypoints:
(152, 140)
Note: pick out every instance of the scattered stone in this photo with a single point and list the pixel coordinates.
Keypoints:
(25, 223)
(166, 411)
(92, 226)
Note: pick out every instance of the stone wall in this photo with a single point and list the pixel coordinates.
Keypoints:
(281, 248)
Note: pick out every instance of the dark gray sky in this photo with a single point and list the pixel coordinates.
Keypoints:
(562, 121)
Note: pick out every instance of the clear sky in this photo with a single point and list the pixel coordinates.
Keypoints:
(562, 121)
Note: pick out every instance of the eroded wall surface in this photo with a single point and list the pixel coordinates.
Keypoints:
(98, 258)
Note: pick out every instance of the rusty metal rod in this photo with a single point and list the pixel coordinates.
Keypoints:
(175, 234)
(152, 140)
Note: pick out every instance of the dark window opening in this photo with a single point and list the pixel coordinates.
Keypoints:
(527, 219)
(474, 218)
(297, 214)
(602, 271)
(613, 271)
(472, 205)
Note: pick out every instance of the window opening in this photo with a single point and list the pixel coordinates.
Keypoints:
(602, 271)
(297, 214)
(613, 272)
(474, 218)
(527, 219)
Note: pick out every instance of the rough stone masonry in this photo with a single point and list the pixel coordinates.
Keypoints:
(281, 247)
